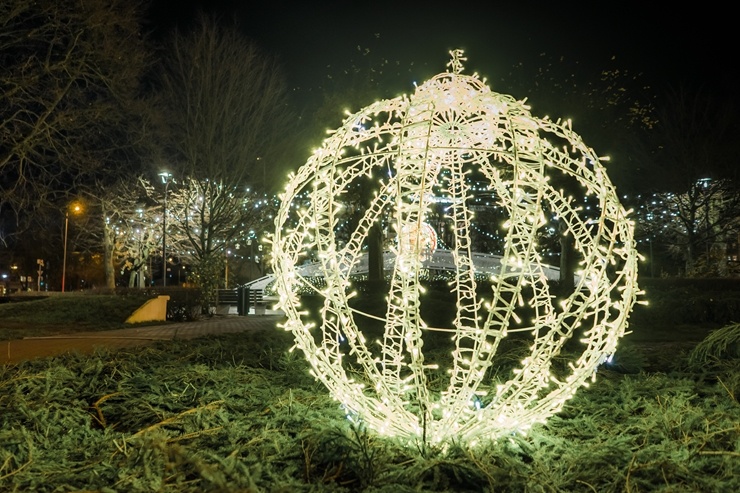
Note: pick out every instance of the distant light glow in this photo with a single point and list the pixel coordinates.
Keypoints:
(453, 125)
(418, 238)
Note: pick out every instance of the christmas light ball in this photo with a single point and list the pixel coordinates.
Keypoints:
(418, 237)
(382, 166)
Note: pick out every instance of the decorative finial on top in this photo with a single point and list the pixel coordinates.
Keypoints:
(456, 62)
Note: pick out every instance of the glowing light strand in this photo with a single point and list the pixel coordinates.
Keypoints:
(454, 125)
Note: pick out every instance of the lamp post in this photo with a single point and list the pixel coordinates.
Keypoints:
(166, 177)
(76, 208)
(64, 258)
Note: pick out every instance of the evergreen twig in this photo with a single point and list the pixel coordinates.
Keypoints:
(176, 418)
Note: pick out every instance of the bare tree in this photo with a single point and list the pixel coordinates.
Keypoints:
(701, 221)
(226, 112)
(70, 79)
(225, 106)
(693, 173)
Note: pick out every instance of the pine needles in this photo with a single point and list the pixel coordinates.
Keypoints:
(719, 344)
(240, 413)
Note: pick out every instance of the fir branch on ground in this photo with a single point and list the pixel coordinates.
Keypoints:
(240, 413)
(719, 344)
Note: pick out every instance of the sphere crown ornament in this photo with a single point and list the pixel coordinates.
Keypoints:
(492, 187)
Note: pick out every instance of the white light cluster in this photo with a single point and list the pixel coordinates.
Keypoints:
(455, 125)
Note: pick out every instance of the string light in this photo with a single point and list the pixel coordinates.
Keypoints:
(427, 145)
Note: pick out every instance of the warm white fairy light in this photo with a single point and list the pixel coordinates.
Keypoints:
(452, 125)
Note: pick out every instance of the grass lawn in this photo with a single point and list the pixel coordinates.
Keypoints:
(240, 413)
(67, 313)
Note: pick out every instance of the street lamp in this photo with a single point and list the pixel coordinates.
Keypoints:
(166, 178)
(75, 208)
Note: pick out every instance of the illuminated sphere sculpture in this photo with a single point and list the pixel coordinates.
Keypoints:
(429, 144)
(418, 237)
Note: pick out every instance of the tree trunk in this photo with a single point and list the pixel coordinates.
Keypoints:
(690, 263)
(108, 245)
(375, 254)
(110, 273)
(136, 278)
(567, 260)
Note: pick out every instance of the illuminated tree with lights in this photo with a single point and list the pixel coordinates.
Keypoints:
(136, 230)
(206, 219)
(122, 228)
(698, 227)
(454, 124)
(143, 240)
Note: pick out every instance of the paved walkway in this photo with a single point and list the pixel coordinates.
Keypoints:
(12, 352)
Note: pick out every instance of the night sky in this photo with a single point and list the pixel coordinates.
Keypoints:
(668, 45)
